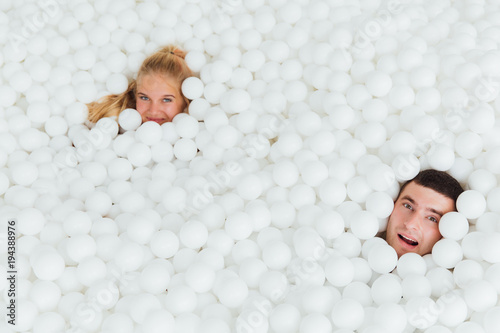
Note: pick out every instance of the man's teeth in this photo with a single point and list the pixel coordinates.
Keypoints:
(409, 240)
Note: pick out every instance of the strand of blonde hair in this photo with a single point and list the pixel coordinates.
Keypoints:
(169, 60)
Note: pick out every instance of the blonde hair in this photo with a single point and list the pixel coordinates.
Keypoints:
(168, 61)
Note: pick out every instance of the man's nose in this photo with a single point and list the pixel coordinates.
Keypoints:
(412, 222)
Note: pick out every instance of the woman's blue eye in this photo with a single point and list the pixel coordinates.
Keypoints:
(144, 98)
(167, 100)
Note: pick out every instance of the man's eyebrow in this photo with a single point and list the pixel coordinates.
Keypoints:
(406, 197)
(413, 202)
(436, 212)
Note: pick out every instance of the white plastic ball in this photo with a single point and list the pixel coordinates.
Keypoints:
(348, 314)
(405, 166)
(30, 221)
(342, 116)
(471, 204)
(469, 145)
(4, 183)
(454, 309)
(391, 317)
(416, 286)
(20, 81)
(339, 271)
(116, 83)
(185, 149)
(77, 223)
(180, 299)
(488, 247)
(24, 173)
(149, 133)
(441, 157)
(90, 270)
(193, 234)
(482, 180)
(155, 277)
(420, 312)
(192, 88)
(387, 289)
(453, 225)
(283, 214)
(187, 127)
(233, 293)
(195, 60)
(116, 62)
(45, 294)
(55, 126)
(84, 58)
(332, 192)
(239, 225)
(480, 296)
(8, 96)
(250, 187)
(99, 202)
(382, 258)
(411, 263)
(164, 244)
(48, 265)
(401, 96)
(492, 199)
(314, 173)
(285, 173)
(276, 255)
(379, 83)
(139, 154)
(447, 253)
(364, 224)
(49, 321)
(285, 318)
(158, 321)
(200, 277)
(174, 199)
(130, 119)
(380, 204)
(315, 323)
(491, 320)
(119, 169)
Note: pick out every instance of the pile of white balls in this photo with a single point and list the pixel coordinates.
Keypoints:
(257, 212)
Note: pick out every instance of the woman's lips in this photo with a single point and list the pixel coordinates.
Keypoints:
(156, 120)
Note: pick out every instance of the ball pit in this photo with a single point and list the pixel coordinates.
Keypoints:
(259, 210)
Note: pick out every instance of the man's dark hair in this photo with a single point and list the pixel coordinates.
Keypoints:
(438, 181)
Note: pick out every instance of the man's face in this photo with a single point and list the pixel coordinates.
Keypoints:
(413, 224)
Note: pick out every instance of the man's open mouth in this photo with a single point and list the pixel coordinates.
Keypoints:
(407, 240)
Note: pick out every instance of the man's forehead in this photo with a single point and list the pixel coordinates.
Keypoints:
(428, 197)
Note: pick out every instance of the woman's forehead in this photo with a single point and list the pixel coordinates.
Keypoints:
(157, 81)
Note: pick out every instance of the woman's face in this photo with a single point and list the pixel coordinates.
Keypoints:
(158, 98)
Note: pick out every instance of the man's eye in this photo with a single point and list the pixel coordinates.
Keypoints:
(405, 205)
(433, 219)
